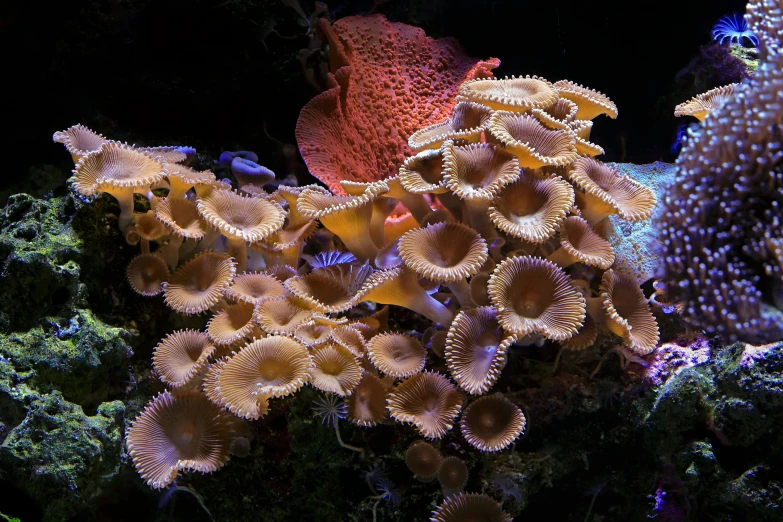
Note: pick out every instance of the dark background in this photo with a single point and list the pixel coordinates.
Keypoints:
(224, 74)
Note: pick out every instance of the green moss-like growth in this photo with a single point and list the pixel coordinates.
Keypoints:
(38, 254)
(60, 456)
(86, 360)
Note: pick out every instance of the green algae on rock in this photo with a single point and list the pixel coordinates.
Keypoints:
(60, 456)
(87, 360)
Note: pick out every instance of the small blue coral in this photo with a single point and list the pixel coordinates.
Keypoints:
(734, 28)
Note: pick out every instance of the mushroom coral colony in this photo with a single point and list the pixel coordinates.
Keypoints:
(485, 237)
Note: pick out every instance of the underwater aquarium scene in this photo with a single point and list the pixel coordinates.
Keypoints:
(391, 261)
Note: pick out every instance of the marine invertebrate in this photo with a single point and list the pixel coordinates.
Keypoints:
(467, 506)
(181, 356)
(79, 141)
(533, 144)
(241, 219)
(476, 348)
(335, 370)
(532, 207)
(726, 202)
(119, 170)
(590, 103)
(702, 104)
(447, 253)
(606, 192)
(199, 283)
(510, 94)
(331, 409)
(237, 395)
(231, 324)
(277, 366)
(388, 80)
(492, 423)
(467, 122)
(367, 403)
(623, 309)
(397, 355)
(532, 295)
(423, 459)
(178, 432)
(146, 274)
(429, 401)
(735, 29)
(453, 474)
(580, 243)
(254, 288)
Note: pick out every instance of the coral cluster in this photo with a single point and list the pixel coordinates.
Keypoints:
(487, 232)
(721, 228)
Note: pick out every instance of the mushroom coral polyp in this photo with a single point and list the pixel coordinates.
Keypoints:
(499, 188)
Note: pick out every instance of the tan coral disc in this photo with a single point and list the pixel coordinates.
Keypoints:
(608, 192)
(478, 171)
(199, 283)
(349, 338)
(628, 312)
(182, 217)
(701, 105)
(149, 227)
(532, 295)
(581, 244)
(324, 290)
(236, 395)
(79, 141)
(277, 366)
(585, 338)
(121, 166)
(281, 272)
(429, 401)
(423, 459)
(164, 153)
(476, 348)
(243, 217)
(444, 252)
(348, 217)
(281, 316)
(533, 207)
(465, 507)
(397, 355)
(510, 94)
(453, 474)
(336, 370)
(312, 334)
(492, 423)
(231, 324)
(533, 144)
(591, 103)
(182, 178)
(558, 115)
(254, 288)
(423, 173)
(178, 432)
(367, 403)
(181, 356)
(146, 274)
(468, 120)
